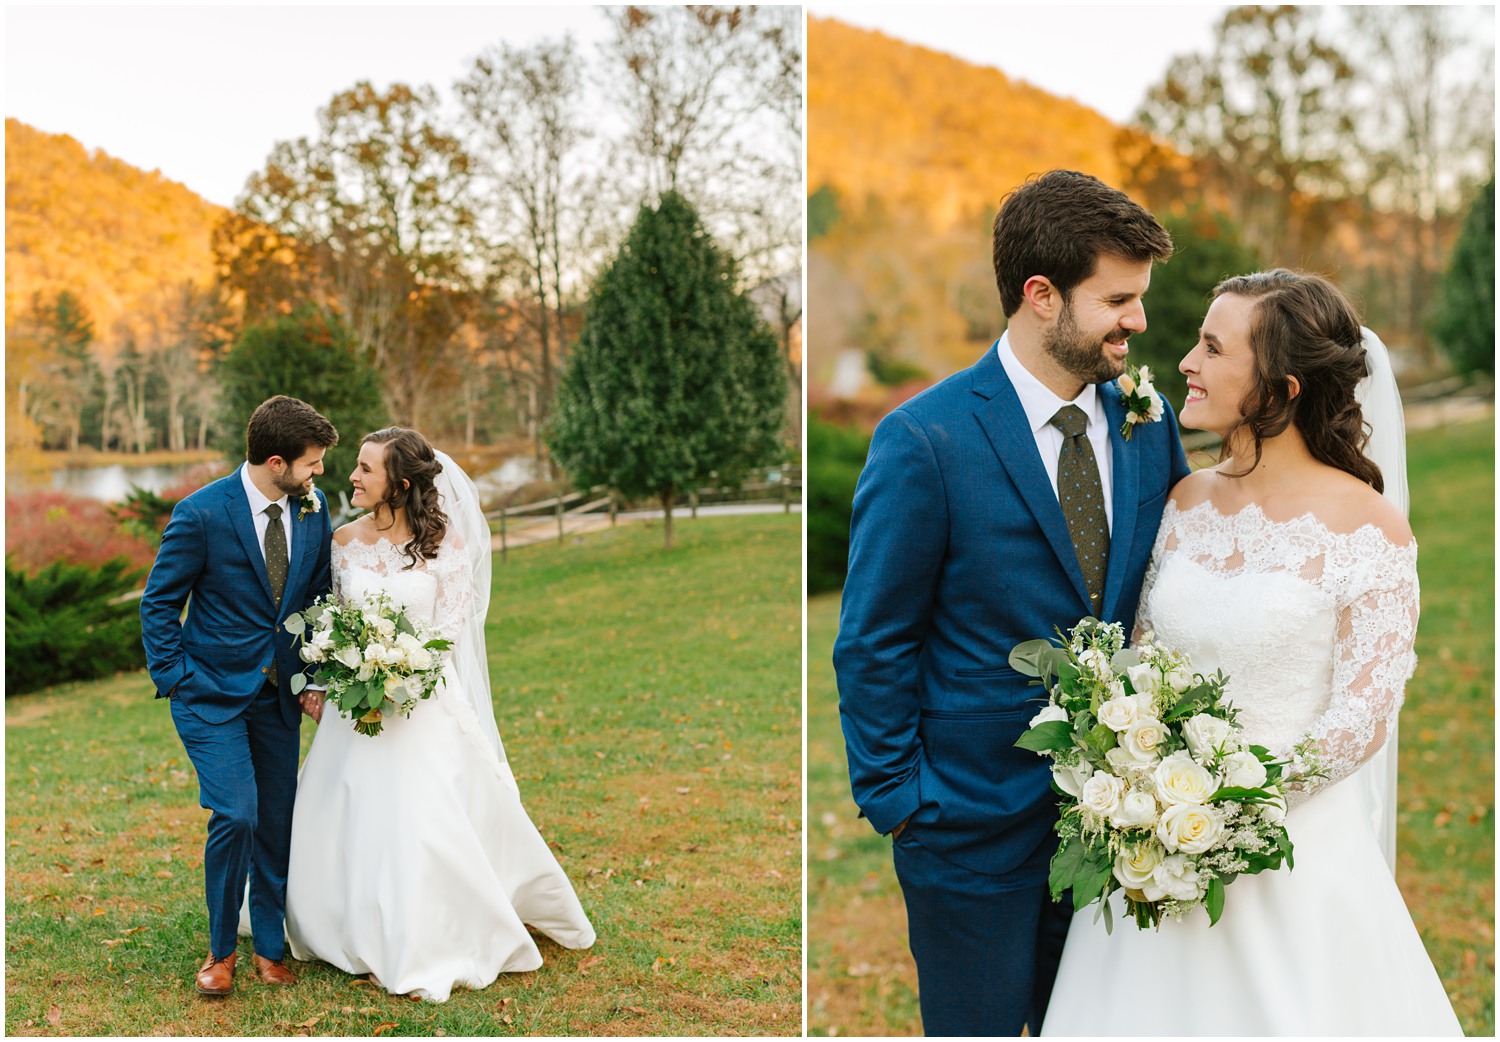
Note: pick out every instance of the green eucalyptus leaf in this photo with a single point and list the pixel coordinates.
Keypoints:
(1052, 736)
(1031, 658)
(297, 682)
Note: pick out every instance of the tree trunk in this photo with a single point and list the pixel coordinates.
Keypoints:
(666, 509)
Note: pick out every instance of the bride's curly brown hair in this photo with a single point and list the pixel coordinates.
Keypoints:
(1302, 326)
(411, 467)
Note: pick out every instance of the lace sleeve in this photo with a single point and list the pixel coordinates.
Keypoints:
(1374, 656)
(455, 587)
(1143, 624)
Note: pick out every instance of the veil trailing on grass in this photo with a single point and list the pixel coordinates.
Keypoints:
(1380, 401)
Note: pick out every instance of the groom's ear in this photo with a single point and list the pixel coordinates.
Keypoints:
(1042, 297)
(1293, 388)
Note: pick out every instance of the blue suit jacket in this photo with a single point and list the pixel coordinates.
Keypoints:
(959, 551)
(218, 658)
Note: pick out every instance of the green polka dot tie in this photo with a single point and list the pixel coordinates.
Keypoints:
(276, 563)
(1081, 495)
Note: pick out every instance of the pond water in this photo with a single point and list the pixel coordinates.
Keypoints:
(111, 484)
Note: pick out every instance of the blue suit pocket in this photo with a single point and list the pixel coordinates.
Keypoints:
(974, 771)
(1003, 672)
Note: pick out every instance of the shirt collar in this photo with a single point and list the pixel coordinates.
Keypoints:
(1037, 400)
(258, 500)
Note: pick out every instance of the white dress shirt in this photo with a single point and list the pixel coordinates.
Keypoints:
(258, 504)
(1040, 405)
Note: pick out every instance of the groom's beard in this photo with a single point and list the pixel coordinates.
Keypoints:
(1080, 355)
(290, 487)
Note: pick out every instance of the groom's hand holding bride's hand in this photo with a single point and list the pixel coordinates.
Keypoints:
(312, 705)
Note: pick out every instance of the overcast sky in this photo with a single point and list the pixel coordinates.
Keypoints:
(1103, 56)
(201, 93)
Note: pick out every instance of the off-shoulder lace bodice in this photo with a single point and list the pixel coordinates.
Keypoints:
(1314, 628)
(436, 591)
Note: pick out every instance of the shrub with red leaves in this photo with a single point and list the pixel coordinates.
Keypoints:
(42, 527)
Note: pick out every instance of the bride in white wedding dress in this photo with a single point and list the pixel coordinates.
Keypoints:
(1285, 567)
(412, 858)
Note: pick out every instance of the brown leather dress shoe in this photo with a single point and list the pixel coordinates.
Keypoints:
(273, 971)
(217, 975)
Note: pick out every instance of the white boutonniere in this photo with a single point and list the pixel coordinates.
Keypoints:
(1142, 403)
(311, 504)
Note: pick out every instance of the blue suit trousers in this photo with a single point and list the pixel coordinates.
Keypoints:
(247, 775)
(986, 947)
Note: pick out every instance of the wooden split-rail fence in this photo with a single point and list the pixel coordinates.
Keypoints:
(523, 525)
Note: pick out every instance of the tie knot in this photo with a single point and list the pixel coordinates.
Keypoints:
(1071, 420)
(274, 511)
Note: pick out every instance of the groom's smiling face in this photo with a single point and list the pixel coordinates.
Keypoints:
(1088, 339)
(296, 478)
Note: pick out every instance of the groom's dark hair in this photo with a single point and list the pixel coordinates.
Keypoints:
(1058, 224)
(286, 427)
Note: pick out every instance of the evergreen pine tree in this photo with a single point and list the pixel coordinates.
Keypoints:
(1465, 320)
(676, 380)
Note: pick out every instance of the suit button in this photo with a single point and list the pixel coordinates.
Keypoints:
(265, 669)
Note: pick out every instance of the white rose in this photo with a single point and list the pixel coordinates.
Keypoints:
(1095, 661)
(1048, 714)
(1178, 879)
(1141, 739)
(1244, 770)
(419, 659)
(1189, 828)
(311, 653)
(1136, 809)
(348, 656)
(371, 618)
(1144, 678)
(1181, 779)
(366, 671)
(1119, 713)
(1275, 811)
(395, 656)
(1135, 868)
(1177, 678)
(376, 654)
(1157, 411)
(393, 687)
(385, 627)
(1117, 688)
(1070, 779)
(406, 642)
(1101, 793)
(1205, 733)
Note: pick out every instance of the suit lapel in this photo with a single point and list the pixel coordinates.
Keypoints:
(237, 506)
(1125, 476)
(300, 534)
(1004, 423)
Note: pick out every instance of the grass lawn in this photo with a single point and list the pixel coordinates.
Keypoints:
(861, 980)
(650, 706)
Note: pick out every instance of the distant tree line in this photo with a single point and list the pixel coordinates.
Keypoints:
(450, 256)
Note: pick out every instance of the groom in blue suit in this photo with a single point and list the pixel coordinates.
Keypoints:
(249, 549)
(996, 506)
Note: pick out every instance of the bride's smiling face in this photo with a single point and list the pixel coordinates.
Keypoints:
(369, 477)
(1220, 369)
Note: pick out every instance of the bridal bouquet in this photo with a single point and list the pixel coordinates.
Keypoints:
(1167, 801)
(370, 653)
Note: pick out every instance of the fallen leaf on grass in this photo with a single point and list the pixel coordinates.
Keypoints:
(134, 929)
(101, 911)
(368, 1010)
(586, 964)
(630, 1009)
(310, 1022)
(507, 1001)
(357, 981)
(163, 874)
(383, 1027)
(54, 1015)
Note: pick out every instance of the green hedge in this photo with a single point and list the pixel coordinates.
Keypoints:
(835, 457)
(70, 622)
